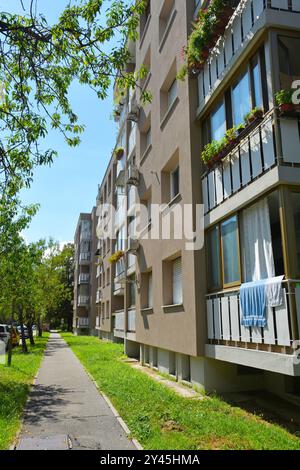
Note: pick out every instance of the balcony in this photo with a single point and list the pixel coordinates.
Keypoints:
(132, 140)
(261, 158)
(99, 296)
(83, 323)
(85, 258)
(131, 321)
(83, 301)
(270, 347)
(120, 177)
(250, 17)
(133, 176)
(84, 278)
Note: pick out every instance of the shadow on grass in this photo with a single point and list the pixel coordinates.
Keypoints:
(271, 408)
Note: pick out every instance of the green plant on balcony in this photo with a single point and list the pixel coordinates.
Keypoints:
(253, 115)
(216, 150)
(116, 256)
(208, 27)
(119, 153)
(284, 100)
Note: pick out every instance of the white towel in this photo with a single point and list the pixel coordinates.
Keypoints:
(274, 291)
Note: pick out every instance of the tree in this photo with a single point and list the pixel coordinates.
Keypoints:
(38, 63)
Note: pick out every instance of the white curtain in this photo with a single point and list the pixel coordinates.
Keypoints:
(258, 260)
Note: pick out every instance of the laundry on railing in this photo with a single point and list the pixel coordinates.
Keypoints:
(256, 296)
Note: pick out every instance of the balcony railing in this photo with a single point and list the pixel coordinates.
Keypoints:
(84, 257)
(84, 278)
(83, 301)
(98, 296)
(225, 327)
(120, 321)
(83, 322)
(256, 153)
(131, 321)
(238, 33)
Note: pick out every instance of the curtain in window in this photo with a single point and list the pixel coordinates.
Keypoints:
(258, 260)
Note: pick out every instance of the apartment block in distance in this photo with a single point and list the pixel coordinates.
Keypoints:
(187, 313)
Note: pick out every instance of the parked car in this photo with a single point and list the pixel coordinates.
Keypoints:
(4, 333)
(25, 331)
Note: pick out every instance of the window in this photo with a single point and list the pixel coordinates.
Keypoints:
(150, 291)
(172, 93)
(107, 309)
(174, 183)
(148, 138)
(248, 92)
(289, 61)
(177, 281)
(218, 122)
(230, 251)
(165, 18)
(241, 103)
(258, 229)
(214, 265)
(256, 84)
(296, 215)
(108, 276)
(147, 65)
(145, 17)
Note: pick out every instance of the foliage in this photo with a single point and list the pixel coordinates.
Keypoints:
(15, 384)
(39, 62)
(119, 152)
(207, 28)
(36, 281)
(253, 114)
(218, 148)
(284, 97)
(116, 256)
(161, 419)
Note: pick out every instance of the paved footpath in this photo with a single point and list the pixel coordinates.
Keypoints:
(65, 410)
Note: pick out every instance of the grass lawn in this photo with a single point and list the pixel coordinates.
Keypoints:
(160, 419)
(15, 384)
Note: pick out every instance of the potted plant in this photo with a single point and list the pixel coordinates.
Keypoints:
(119, 153)
(284, 100)
(253, 115)
(116, 256)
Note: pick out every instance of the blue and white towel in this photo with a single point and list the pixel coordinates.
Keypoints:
(256, 296)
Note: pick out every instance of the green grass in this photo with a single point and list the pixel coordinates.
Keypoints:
(160, 419)
(15, 382)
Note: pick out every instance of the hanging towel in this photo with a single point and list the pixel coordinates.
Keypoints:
(253, 304)
(274, 291)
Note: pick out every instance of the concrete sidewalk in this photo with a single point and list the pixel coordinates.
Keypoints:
(65, 409)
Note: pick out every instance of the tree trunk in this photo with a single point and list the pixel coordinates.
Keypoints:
(39, 326)
(9, 352)
(20, 318)
(30, 333)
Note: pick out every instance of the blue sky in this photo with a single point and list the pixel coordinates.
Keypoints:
(69, 186)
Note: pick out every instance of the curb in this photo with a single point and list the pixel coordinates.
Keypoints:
(116, 414)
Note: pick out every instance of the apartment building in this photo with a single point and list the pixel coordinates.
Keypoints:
(84, 318)
(184, 312)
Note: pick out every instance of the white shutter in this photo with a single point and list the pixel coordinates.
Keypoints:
(150, 295)
(177, 282)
